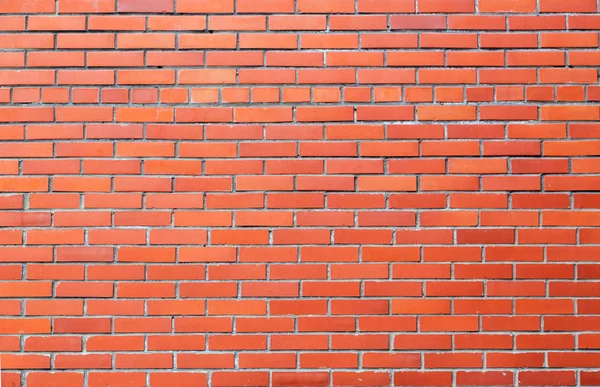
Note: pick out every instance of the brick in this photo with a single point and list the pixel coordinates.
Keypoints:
(53, 59)
(362, 22)
(545, 22)
(265, 6)
(518, 6)
(476, 22)
(560, 39)
(142, 6)
(328, 6)
(52, 23)
(86, 6)
(556, 6)
(117, 23)
(433, 40)
(418, 22)
(425, 378)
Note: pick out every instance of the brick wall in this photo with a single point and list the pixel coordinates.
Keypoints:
(299, 193)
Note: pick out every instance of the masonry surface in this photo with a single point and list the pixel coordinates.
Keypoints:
(299, 193)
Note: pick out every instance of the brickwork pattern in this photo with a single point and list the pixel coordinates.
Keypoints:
(299, 193)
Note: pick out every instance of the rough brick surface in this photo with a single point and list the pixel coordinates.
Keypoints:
(299, 193)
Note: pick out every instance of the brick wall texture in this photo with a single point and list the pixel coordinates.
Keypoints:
(299, 193)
